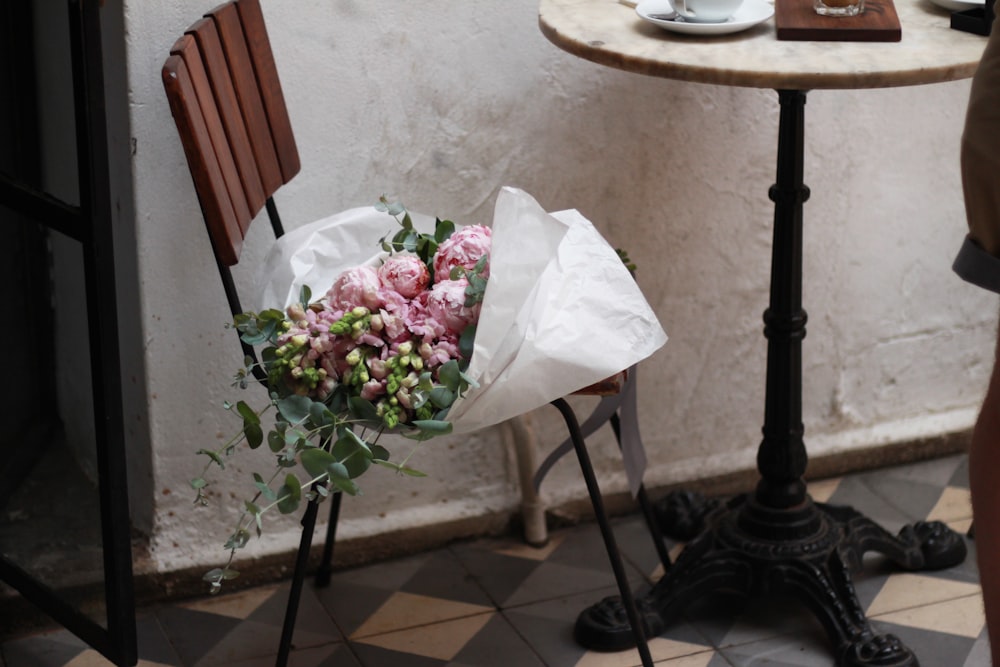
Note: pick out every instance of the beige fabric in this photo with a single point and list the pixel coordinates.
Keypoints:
(981, 150)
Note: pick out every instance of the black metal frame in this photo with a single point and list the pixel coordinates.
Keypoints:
(90, 224)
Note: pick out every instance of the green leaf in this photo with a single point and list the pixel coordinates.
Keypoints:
(443, 229)
(362, 409)
(275, 441)
(238, 540)
(214, 456)
(198, 483)
(290, 494)
(220, 574)
(264, 489)
(410, 242)
(380, 453)
(407, 222)
(346, 485)
(450, 375)
(338, 470)
(467, 341)
(316, 461)
(254, 435)
(321, 417)
(353, 452)
(295, 408)
(305, 295)
(434, 426)
(441, 397)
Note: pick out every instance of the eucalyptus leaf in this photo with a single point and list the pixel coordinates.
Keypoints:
(433, 426)
(441, 397)
(353, 453)
(305, 296)
(450, 376)
(316, 461)
(295, 409)
(214, 456)
(363, 409)
(275, 441)
(443, 229)
(254, 434)
(338, 470)
(346, 485)
(289, 495)
(467, 341)
(247, 413)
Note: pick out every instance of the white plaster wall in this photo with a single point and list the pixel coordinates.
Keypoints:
(442, 103)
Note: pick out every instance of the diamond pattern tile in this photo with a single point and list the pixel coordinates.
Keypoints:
(500, 603)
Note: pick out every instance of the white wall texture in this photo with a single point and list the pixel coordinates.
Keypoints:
(442, 103)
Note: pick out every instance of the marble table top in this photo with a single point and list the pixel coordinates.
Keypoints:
(610, 33)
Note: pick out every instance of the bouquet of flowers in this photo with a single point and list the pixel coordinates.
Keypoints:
(385, 349)
(433, 330)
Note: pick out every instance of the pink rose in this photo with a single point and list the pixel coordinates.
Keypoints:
(404, 274)
(355, 287)
(464, 248)
(446, 306)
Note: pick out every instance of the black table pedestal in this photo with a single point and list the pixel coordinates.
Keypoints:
(777, 540)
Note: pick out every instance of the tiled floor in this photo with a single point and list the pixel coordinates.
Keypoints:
(499, 603)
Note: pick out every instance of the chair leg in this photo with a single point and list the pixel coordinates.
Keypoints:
(521, 438)
(647, 508)
(325, 568)
(298, 577)
(614, 555)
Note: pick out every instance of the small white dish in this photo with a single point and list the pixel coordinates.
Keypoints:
(958, 5)
(750, 13)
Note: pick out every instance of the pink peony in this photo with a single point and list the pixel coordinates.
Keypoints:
(464, 248)
(446, 307)
(355, 287)
(404, 274)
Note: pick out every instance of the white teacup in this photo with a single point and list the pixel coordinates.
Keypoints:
(705, 11)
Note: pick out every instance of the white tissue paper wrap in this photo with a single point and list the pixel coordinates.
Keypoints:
(560, 312)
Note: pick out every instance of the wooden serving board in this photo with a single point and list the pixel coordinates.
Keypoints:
(797, 20)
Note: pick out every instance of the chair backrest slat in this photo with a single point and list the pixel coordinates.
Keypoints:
(226, 98)
(186, 48)
(207, 37)
(270, 87)
(227, 20)
(213, 194)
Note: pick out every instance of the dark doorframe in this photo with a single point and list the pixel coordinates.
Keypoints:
(90, 225)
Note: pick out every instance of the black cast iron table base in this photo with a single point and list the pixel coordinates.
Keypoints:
(807, 552)
(777, 540)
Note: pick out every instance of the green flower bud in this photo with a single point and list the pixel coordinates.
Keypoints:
(405, 348)
(360, 311)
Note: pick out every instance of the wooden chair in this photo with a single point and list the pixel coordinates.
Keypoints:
(226, 99)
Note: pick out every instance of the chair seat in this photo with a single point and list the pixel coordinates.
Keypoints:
(609, 386)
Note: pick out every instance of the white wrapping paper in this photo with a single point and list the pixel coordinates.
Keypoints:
(560, 311)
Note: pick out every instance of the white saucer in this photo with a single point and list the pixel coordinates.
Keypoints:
(958, 5)
(750, 13)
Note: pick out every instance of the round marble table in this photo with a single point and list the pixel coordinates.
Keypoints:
(776, 539)
(610, 33)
